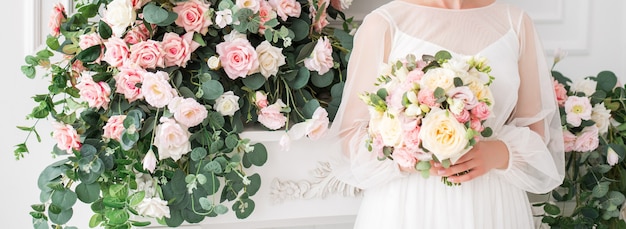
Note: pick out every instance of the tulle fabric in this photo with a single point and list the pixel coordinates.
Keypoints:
(527, 122)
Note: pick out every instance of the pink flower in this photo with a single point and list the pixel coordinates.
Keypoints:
(127, 81)
(427, 97)
(96, 94)
(321, 21)
(476, 125)
(193, 16)
(260, 99)
(172, 139)
(88, 40)
(149, 161)
(463, 117)
(561, 93)
(178, 49)
(147, 54)
(238, 57)
(114, 127)
(286, 8)
(134, 36)
(187, 111)
(266, 13)
(156, 89)
(404, 157)
(378, 145)
(481, 111)
(569, 141)
(116, 52)
(465, 94)
(588, 139)
(577, 109)
(414, 76)
(318, 125)
(66, 137)
(137, 4)
(612, 157)
(411, 135)
(271, 117)
(321, 59)
(56, 18)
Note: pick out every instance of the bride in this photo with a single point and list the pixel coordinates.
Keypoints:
(525, 153)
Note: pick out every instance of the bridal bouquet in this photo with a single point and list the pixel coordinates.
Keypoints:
(428, 109)
(147, 101)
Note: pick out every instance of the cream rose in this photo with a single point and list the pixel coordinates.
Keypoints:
(438, 77)
(187, 111)
(156, 89)
(227, 104)
(172, 139)
(120, 14)
(153, 207)
(253, 5)
(586, 86)
(601, 116)
(443, 135)
(270, 58)
(390, 129)
(318, 124)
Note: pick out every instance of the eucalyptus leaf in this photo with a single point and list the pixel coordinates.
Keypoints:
(324, 80)
(213, 89)
(258, 156)
(88, 193)
(62, 217)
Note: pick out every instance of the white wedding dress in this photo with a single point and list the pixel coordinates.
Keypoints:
(506, 36)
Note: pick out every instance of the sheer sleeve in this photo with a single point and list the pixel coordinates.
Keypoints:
(355, 165)
(534, 167)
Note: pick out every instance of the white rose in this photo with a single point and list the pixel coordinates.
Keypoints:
(172, 139)
(390, 129)
(456, 106)
(270, 58)
(227, 104)
(586, 86)
(345, 4)
(600, 115)
(233, 35)
(438, 77)
(443, 135)
(213, 62)
(153, 207)
(375, 118)
(119, 15)
(457, 64)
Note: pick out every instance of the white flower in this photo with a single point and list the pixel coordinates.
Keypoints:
(285, 142)
(224, 18)
(438, 77)
(145, 183)
(270, 58)
(149, 161)
(559, 54)
(586, 86)
(233, 35)
(600, 115)
(390, 129)
(253, 5)
(153, 207)
(457, 64)
(345, 4)
(213, 63)
(456, 106)
(443, 135)
(172, 139)
(227, 104)
(611, 157)
(318, 125)
(120, 14)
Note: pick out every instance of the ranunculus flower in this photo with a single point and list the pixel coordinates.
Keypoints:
(561, 93)
(271, 117)
(443, 135)
(187, 111)
(114, 127)
(569, 141)
(153, 207)
(612, 157)
(481, 111)
(588, 139)
(321, 59)
(253, 5)
(147, 54)
(586, 86)
(92, 39)
(66, 137)
(156, 89)
(601, 116)
(193, 16)
(95, 93)
(56, 19)
(227, 104)
(577, 109)
(223, 18)
(260, 99)
(149, 161)
(321, 21)
(270, 59)
(238, 57)
(120, 14)
(178, 49)
(438, 77)
(172, 139)
(116, 52)
(286, 8)
(318, 124)
(127, 81)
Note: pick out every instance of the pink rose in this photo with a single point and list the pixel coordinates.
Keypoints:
(322, 21)
(172, 139)
(134, 36)
(116, 52)
(463, 117)
(404, 157)
(77, 66)
(156, 89)
(569, 141)
(238, 57)
(96, 94)
(465, 94)
(127, 81)
(178, 49)
(88, 40)
(414, 76)
(193, 16)
(66, 137)
(266, 13)
(260, 99)
(476, 125)
(427, 97)
(411, 135)
(187, 111)
(561, 93)
(577, 109)
(149, 161)
(481, 111)
(114, 127)
(588, 139)
(56, 18)
(147, 54)
(321, 59)
(318, 124)
(271, 117)
(286, 8)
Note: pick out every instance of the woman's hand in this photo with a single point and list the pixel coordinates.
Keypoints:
(484, 156)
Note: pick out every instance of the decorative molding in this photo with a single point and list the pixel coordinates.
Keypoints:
(323, 184)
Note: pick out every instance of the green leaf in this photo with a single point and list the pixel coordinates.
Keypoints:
(52, 42)
(140, 224)
(600, 190)
(254, 81)
(345, 39)
(324, 80)
(243, 208)
(255, 184)
(213, 167)
(616, 198)
(422, 165)
(31, 60)
(221, 209)
(606, 81)
(216, 120)
(62, 217)
(89, 54)
(136, 198)
(198, 154)
(232, 141)
(442, 56)
(213, 89)
(300, 28)
(117, 217)
(258, 156)
(305, 52)
(205, 203)
(301, 80)
(212, 184)
(176, 218)
(89, 10)
(104, 30)
(38, 207)
(118, 191)
(88, 193)
(551, 209)
(154, 14)
(29, 71)
(310, 107)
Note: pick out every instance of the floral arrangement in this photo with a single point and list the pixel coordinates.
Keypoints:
(148, 99)
(593, 115)
(429, 109)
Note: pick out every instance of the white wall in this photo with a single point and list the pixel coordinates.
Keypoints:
(598, 40)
